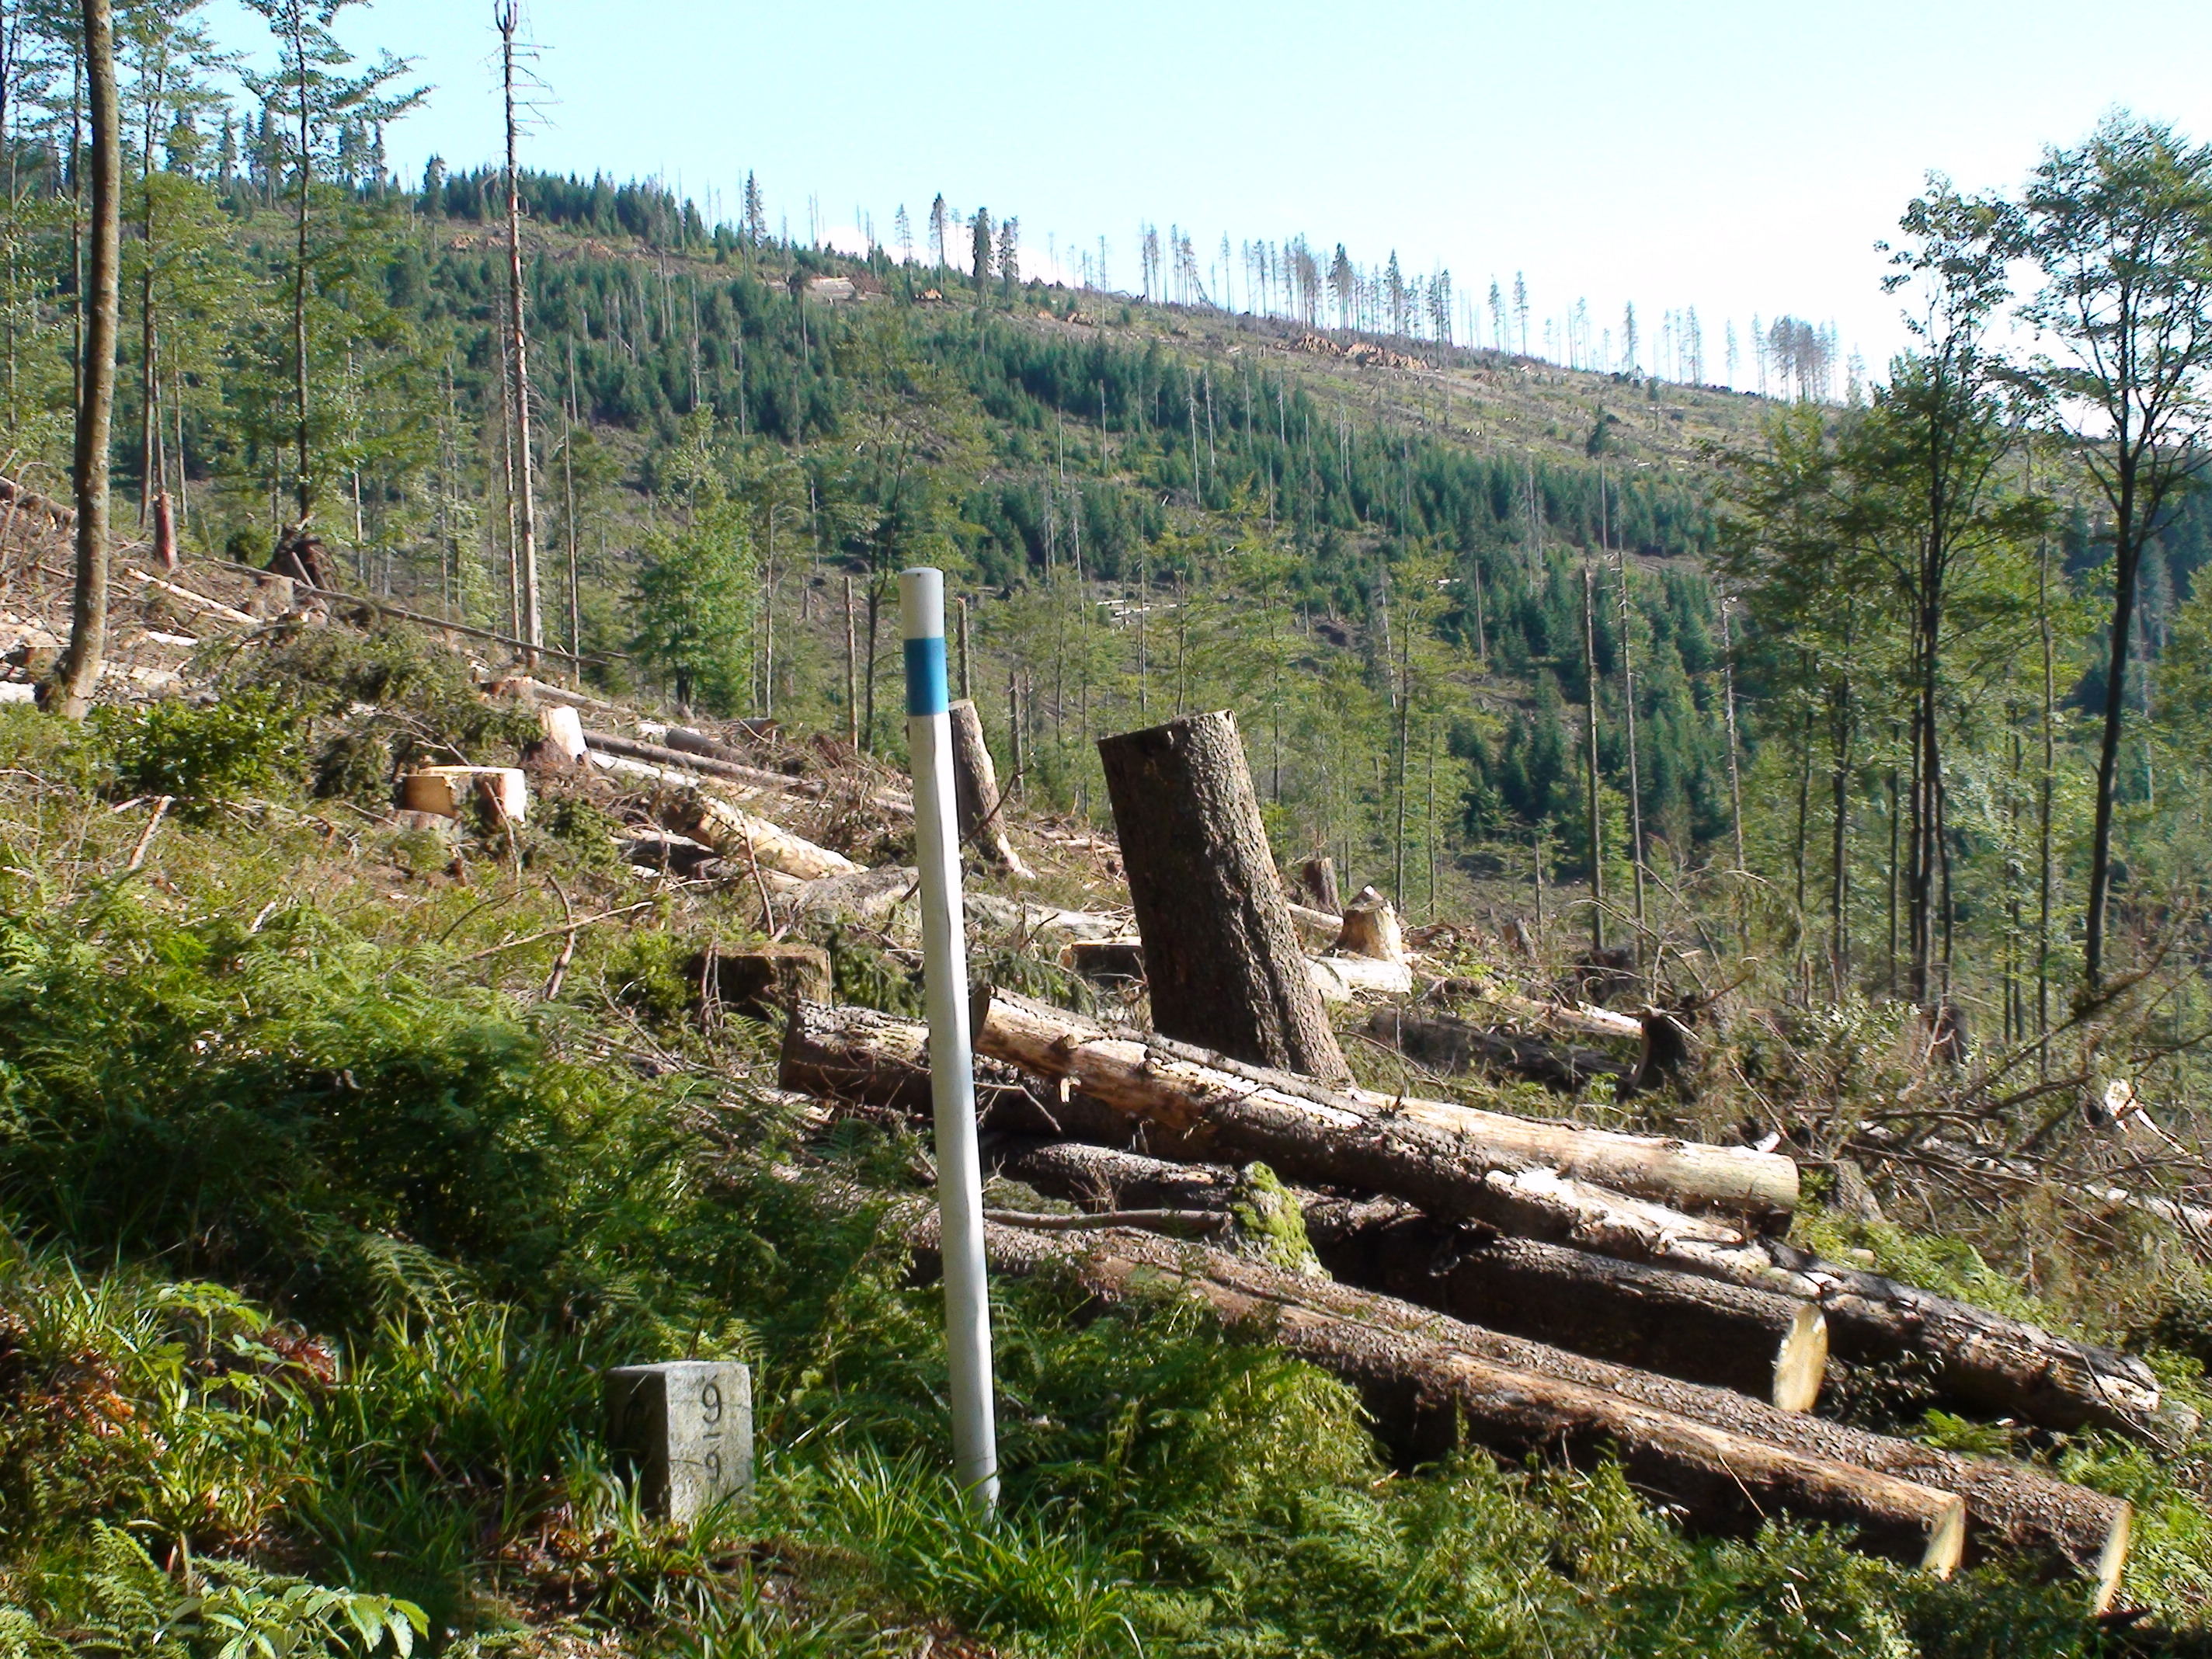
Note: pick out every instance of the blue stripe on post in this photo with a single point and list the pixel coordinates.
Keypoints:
(927, 692)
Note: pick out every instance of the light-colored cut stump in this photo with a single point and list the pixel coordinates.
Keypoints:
(448, 790)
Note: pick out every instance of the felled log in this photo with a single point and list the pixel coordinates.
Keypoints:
(975, 792)
(1430, 1152)
(609, 742)
(857, 1055)
(447, 791)
(2001, 1366)
(1428, 1380)
(743, 839)
(1402, 1358)
(1343, 979)
(1973, 1357)
(1770, 1346)
(1370, 928)
(1444, 1042)
(1220, 948)
(16, 497)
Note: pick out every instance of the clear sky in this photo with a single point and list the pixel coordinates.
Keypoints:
(1737, 157)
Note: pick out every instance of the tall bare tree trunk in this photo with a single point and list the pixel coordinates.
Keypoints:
(88, 646)
(305, 486)
(1597, 821)
(533, 627)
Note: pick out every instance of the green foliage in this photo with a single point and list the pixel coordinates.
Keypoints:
(241, 745)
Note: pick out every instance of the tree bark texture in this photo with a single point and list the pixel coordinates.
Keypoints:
(88, 646)
(1220, 948)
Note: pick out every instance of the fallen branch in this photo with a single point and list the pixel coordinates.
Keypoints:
(706, 765)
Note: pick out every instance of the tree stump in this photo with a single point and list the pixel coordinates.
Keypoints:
(1318, 877)
(1370, 928)
(975, 792)
(1220, 948)
(760, 978)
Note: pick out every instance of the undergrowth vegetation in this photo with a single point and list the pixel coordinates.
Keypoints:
(322, 1207)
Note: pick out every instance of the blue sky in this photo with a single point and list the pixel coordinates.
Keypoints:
(1741, 158)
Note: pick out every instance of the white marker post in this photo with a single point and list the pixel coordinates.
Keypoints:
(952, 1060)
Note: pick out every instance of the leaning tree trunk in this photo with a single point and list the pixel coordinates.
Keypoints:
(1429, 1379)
(88, 646)
(1220, 948)
(975, 792)
(1759, 1343)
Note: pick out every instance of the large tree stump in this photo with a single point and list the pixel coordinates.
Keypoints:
(1220, 948)
(1318, 877)
(975, 792)
(1370, 928)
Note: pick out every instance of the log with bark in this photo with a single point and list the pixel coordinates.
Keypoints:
(975, 792)
(744, 839)
(1221, 949)
(1771, 1346)
(1431, 1152)
(1972, 1356)
(1444, 1042)
(702, 765)
(1986, 1361)
(1429, 1379)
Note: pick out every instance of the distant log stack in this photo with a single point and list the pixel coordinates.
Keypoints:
(1220, 948)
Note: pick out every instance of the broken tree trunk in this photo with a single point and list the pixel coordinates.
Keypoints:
(1428, 1379)
(1220, 948)
(1428, 1376)
(1430, 1152)
(744, 839)
(975, 792)
(1770, 1346)
(1444, 1042)
(1318, 877)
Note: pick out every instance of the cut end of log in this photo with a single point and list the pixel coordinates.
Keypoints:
(1947, 1538)
(1802, 1362)
(2112, 1560)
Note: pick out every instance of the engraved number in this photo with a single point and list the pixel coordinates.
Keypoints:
(710, 1402)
